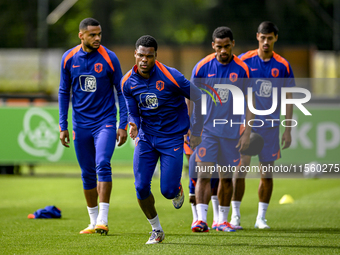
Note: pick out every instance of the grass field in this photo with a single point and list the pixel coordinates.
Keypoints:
(311, 225)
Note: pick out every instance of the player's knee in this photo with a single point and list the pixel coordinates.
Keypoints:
(142, 191)
(89, 180)
(170, 193)
(267, 180)
(104, 171)
(226, 181)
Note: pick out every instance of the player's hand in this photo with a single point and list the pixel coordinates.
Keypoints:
(243, 142)
(121, 136)
(133, 130)
(286, 139)
(195, 141)
(65, 138)
(187, 135)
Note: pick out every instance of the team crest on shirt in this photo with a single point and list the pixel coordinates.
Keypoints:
(233, 77)
(160, 85)
(222, 91)
(88, 83)
(275, 72)
(265, 88)
(148, 100)
(202, 152)
(98, 67)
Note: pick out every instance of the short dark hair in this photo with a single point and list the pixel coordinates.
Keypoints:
(267, 27)
(88, 22)
(146, 41)
(222, 32)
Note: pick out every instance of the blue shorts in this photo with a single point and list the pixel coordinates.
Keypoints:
(193, 175)
(221, 151)
(148, 150)
(271, 148)
(94, 148)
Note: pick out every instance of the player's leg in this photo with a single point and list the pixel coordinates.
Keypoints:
(238, 189)
(85, 152)
(206, 156)
(104, 139)
(144, 161)
(192, 184)
(203, 196)
(266, 182)
(264, 192)
(224, 193)
(171, 159)
(214, 199)
(268, 155)
(228, 159)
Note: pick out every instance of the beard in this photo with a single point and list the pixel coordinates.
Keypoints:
(89, 46)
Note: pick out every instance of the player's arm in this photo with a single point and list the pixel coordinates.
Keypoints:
(286, 137)
(244, 140)
(64, 100)
(189, 104)
(121, 136)
(133, 112)
(197, 119)
(190, 91)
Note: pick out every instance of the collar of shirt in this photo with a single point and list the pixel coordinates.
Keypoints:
(84, 53)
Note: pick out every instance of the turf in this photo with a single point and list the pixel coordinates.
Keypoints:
(310, 225)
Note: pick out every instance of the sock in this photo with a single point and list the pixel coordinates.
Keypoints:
(223, 214)
(93, 213)
(235, 205)
(202, 211)
(215, 204)
(103, 213)
(155, 224)
(262, 210)
(194, 212)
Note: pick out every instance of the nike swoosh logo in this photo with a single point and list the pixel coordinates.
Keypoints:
(176, 149)
(211, 75)
(274, 154)
(235, 160)
(133, 87)
(253, 69)
(75, 66)
(109, 125)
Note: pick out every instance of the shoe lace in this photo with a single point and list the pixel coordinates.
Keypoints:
(226, 224)
(201, 224)
(154, 234)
